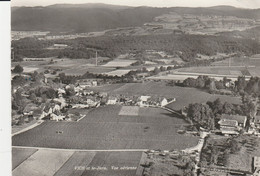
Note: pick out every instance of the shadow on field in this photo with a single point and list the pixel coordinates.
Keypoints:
(173, 115)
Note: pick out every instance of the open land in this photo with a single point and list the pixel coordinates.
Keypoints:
(103, 128)
(184, 95)
(76, 163)
(67, 66)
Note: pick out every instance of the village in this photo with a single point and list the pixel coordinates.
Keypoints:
(122, 90)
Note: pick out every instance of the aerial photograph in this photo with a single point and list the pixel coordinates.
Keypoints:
(135, 87)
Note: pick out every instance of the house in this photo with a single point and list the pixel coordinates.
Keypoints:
(241, 120)
(164, 102)
(256, 166)
(228, 127)
(144, 101)
(94, 83)
(56, 117)
(111, 100)
(231, 124)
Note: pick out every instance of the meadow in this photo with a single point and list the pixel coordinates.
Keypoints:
(119, 63)
(76, 164)
(104, 128)
(42, 162)
(184, 95)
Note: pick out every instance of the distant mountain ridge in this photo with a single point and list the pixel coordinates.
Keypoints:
(96, 16)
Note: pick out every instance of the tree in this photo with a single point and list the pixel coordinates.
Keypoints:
(228, 108)
(156, 70)
(201, 82)
(18, 69)
(241, 84)
(217, 106)
(190, 82)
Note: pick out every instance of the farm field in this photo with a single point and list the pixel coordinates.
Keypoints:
(251, 65)
(119, 63)
(104, 128)
(117, 72)
(106, 87)
(232, 71)
(79, 163)
(20, 155)
(81, 70)
(39, 164)
(68, 66)
(184, 96)
(242, 62)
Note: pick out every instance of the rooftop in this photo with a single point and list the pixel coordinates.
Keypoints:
(238, 118)
(227, 122)
(257, 161)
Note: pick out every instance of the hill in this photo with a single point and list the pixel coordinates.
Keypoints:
(97, 17)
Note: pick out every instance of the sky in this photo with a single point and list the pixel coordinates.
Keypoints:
(253, 4)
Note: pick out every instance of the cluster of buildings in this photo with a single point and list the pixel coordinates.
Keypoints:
(142, 101)
(232, 124)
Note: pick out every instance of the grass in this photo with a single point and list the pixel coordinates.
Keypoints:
(119, 63)
(118, 72)
(78, 163)
(43, 162)
(184, 96)
(234, 71)
(20, 155)
(117, 159)
(80, 70)
(129, 111)
(103, 128)
(77, 159)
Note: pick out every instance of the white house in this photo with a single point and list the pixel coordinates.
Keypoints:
(164, 102)
(143, 101)
(111, 101)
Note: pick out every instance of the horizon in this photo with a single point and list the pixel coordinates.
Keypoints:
(245, 4)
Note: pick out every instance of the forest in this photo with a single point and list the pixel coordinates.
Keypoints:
(185, 46)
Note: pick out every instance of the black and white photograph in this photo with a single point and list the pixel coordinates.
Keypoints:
(134, 87)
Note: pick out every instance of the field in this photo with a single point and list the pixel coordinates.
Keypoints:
(68, 66)
(234, 71)
(119, 63)
(118, 72)
(20, 155)
(104, 128)
(78, 164)
(42, 162)
(251, 65)
(184, 96)
(80, 70)
(129, 110)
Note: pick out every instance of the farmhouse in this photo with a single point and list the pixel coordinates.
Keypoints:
(241, 120)
(231, 124)
(164, 102)
(144, 101)
(228, 127)
(111, 100)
